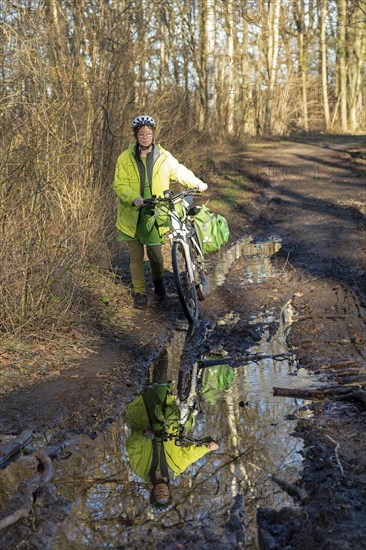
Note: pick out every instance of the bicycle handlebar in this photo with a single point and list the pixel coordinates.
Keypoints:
(169, 197)
(182, 437)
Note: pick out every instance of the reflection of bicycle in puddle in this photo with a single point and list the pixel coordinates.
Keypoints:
(206, 380)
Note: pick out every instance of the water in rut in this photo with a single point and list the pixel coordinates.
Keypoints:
(216, 498)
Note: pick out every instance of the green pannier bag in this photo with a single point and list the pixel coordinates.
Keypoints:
(162, 214)
(212, 229)
(215, 381)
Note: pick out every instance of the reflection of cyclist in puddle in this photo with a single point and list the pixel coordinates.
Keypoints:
(154, 417)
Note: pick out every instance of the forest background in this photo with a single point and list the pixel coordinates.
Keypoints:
(75, 72)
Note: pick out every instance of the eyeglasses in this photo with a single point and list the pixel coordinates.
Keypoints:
(144, 134)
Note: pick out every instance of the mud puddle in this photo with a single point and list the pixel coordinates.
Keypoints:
(110, 503)
(217, 496)
(257, 267)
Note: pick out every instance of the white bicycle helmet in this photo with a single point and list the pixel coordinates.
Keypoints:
(143, 120)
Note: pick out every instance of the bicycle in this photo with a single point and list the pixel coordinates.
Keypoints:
(187, 254)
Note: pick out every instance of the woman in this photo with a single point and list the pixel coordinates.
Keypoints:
(145, 169)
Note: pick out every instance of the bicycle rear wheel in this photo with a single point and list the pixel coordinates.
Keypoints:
(186, 289)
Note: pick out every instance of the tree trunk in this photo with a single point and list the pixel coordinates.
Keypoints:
(302, 42)
(58, 41)
(324, 64)
(230, 84)
(342, 22)
(200, 64)
(246, 113)
(304, 83)
(356, 56)
(273, 18)
(164, 58)
(210, 65)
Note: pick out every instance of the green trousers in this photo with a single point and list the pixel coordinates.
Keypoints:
(155, 256)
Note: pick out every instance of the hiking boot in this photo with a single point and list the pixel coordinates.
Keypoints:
(140, 300)
(159, 289)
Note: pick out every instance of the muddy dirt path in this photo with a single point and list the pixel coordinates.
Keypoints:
(316, 204)
(311, 198)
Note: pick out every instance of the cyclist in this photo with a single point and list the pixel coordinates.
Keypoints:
(145, 169)
(154, 418)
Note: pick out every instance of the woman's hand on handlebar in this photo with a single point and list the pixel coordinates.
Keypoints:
(212, 446)
(202, 187)
(138, 202)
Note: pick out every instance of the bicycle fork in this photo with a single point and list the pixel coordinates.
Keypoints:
(187, 254)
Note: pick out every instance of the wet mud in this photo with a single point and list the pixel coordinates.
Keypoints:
(286, 303)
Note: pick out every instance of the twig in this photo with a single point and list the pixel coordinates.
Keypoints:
(244, 359)
(278, 356)
(287, 262)
(336, 452)
(256, 357)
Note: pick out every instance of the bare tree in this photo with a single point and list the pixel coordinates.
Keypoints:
(324, 62)
(230, 67)
(209, 9)
(273, 19)
(356, 55)
(342, 60)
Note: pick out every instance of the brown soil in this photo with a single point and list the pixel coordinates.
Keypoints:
(312, 197)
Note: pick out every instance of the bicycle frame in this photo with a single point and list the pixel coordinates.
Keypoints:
(189, 277)
(181, 234)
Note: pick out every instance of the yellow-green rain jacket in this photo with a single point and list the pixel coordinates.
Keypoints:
(140, 448)
(129, 181)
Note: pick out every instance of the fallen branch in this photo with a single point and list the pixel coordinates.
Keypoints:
(318, 393)
(344, 364)
(247, 358)
(47, 466)
(303, 393)
(11, 447)
(351, 373)
(39, 480)
(22, 512)
(291, 489)
(341, 393)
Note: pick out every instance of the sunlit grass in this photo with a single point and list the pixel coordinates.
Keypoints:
(229, 185)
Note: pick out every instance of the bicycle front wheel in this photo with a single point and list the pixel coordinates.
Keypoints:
(184, 384)
(199, 272)
(186, 289)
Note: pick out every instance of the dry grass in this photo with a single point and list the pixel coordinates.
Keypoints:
(30, 356)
